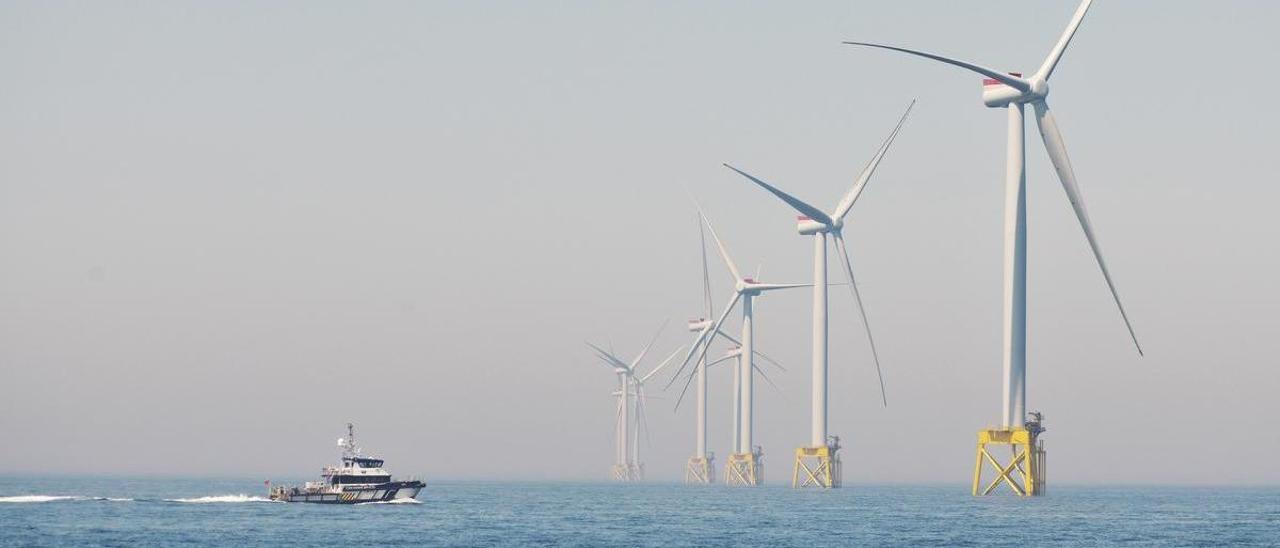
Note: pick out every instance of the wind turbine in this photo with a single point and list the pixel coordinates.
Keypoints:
(1012, 92)
(627, 466)
(744, 465)
(817, 223)
(642, 404)
(699, 468)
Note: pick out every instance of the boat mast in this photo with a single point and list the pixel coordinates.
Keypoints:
(349, 447)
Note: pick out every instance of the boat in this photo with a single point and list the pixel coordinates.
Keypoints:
(358, 479)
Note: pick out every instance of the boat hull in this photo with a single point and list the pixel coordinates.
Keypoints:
(352, 494)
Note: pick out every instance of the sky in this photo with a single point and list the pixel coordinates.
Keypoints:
(229, 228)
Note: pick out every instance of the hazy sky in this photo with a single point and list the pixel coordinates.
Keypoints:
(228, 228)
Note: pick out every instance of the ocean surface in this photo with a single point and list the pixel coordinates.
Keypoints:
(67, 511)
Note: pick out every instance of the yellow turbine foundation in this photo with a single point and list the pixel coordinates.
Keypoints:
(745, 469)
(1025, 472)
(700, 470)
(628, 472)
(817, 467)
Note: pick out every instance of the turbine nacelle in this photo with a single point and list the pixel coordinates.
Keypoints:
(997, 94)
(808, 227)
(750, 286)
(699, 324)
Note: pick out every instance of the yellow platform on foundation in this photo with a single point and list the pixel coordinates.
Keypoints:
(700, 470)
(817, 467)
(1024, 474)
(744, 469)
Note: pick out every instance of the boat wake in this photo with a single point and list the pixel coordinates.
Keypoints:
(222, 498)
(58, 498)
(392, 501)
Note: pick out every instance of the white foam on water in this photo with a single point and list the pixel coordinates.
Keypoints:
(394, 501)
(40, 498)
(223, 498)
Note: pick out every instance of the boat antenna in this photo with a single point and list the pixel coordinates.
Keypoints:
(349, 449)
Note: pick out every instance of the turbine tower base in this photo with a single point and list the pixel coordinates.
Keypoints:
(700, 470)
(745, 469)
(817, 467)
(628, 472)
(1025, 473)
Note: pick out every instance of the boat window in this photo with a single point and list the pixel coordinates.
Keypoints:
(361, 479)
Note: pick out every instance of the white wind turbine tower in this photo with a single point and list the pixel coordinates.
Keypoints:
(630, 393)
(700, 467)
(642, 405)
(622, 468)
(745, 465)
(819, 460)
(1012, 92)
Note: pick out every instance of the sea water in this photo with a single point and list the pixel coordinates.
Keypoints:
(69, 511)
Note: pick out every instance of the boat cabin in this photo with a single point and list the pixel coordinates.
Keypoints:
(357, 470)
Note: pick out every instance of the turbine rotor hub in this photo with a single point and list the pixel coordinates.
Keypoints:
(1039, 88)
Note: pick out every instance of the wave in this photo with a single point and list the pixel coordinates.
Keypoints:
(58, 498)
(393, 501)
(222, 498)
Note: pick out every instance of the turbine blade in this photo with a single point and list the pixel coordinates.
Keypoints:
(606, 356)
(642, 420)
(765, 377)
(711, 334)
(706, 273)
(846, 203)
(1055, 55)
(799, 205)
(707, 335)
(662, 365)
(687, 381)
(853, 290)
(1006, 79)
(733, 340)
(729, 338)
(724, 253)
(636, 361)
(770, 360)
(719, 360)
(771, 287)
(607, 362)
(698, 342)
(1062, 164)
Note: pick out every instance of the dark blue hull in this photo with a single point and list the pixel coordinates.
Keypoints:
(354, 494)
